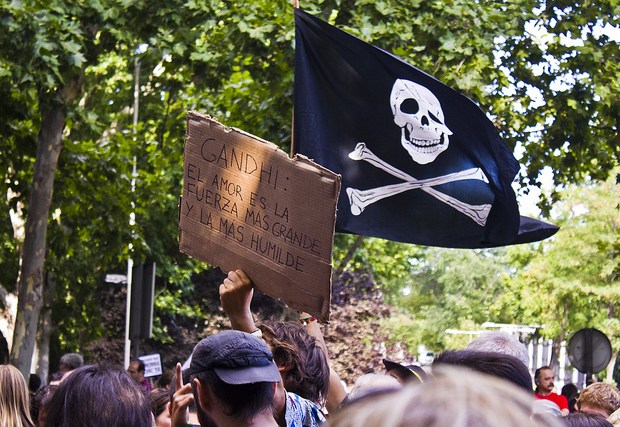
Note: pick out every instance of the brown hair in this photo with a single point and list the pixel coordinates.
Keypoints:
(306, 370)
(158, 399)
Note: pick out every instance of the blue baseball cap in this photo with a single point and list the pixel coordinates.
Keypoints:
(236, 357)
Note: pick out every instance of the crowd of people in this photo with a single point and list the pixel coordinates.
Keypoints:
(279, 374)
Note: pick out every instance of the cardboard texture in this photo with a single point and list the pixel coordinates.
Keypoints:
(247, 205)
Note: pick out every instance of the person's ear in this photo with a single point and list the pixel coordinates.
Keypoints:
(203, 399)
(279, 403)
(285, 367)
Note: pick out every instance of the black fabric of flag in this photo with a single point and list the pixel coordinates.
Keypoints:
(420, 163)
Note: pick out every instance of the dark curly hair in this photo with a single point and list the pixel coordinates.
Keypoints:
(306, 370)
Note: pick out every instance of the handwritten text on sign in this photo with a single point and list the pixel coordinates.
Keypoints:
(246, 205)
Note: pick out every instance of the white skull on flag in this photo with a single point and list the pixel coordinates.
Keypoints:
(424, 135)
(419, 115)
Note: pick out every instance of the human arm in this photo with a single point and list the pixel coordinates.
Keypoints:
(235, 296)
(336, 392)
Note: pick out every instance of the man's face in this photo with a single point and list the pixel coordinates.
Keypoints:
(135, 374)
(545, 382)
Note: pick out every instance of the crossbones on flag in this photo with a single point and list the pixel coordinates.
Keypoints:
(420, 163)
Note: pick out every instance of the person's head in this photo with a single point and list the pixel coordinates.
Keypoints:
(544, 380)
(14, 398)
(404, 373)
(500, 342)
(165, 381)
(70, 361)
(39, 402)
(498, 365)
(579, 419)
(301, 361)
(98, 396)
(369, 386)
(568, 390)
(234, 376)
(599, 398)
(34, 383)
(159, 399)
(136, 370)
(452, 397)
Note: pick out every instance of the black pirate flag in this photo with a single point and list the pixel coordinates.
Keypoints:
(420, 163)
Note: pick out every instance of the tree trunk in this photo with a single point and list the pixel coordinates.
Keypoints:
(555, 354)
(611, 367)
(558, 340)
(30, 293)
(46, 328)
(350, 253)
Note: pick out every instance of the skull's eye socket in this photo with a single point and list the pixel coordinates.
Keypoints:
(410, 106)
(433, 118)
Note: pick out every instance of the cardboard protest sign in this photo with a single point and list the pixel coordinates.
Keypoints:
(247, 205)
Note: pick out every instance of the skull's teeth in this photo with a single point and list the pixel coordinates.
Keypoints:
(425, 146)
(422, 145)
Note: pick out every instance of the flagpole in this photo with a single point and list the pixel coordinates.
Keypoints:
(296, 6)
(293, 133)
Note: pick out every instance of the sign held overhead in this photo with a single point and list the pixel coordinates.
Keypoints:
(247, 205)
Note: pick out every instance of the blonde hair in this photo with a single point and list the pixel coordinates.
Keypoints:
(369, 382)
(600, 395)
(14, 398)
(453, 397)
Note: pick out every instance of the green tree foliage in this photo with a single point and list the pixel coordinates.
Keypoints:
(569, 282)
(572, 281)
(449, 289)
(53, 73)
(78, 61)
(565, 71)
(387, 263)
(74, 62)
